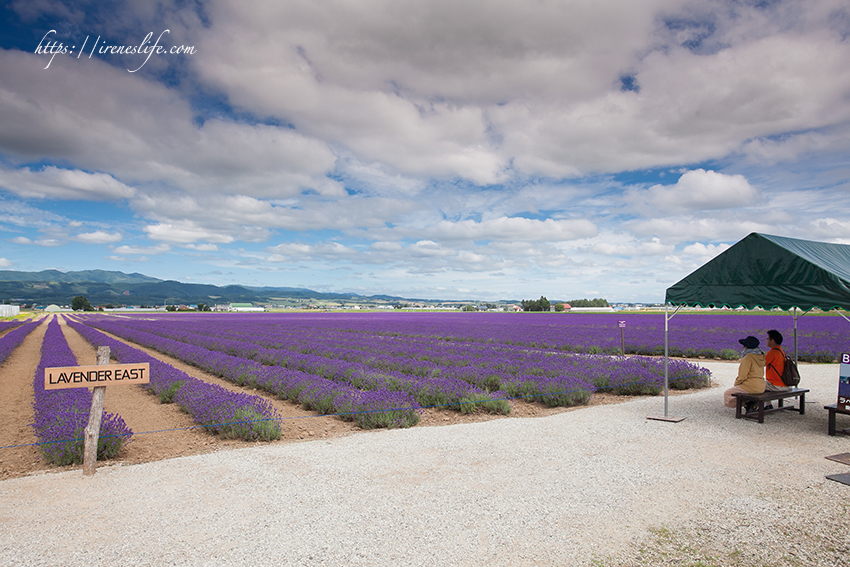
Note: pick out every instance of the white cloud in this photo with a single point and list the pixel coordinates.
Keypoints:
(184, 233)
(56, 183)
(106, 119)
(295, 251)
(125, 259)
(830, 229)
(46, 242)
(707, 251)
(129, 250)
(482, 144)
(512, 229)
(98, 237)
(201, 247)
(416, 85)
(5, 263)
(653, 247)
(696, 190)
(684, 229)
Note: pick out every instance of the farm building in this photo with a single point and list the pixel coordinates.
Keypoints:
(9, 310)
(245, 307)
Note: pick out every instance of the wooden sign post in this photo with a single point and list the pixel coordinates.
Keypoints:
(100, 376)
(92, 431)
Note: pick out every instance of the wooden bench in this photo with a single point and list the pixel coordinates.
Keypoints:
(760, 399)
(833, 409)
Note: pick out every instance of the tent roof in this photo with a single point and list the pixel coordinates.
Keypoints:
(770, 271)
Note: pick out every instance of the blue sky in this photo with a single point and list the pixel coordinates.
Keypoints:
(440, 149)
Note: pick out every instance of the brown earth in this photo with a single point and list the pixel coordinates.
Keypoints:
(163, 431)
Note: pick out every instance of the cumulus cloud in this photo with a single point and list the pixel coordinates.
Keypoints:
(696, 190)
(513, 229)
(184, 233)
(131, 250)
(299, 251)
(57, 183)
(46, 242)
(705, 250)
(653, 247)
(444, 137)
(686, 229)
(537, 89)
(98, 237)
(830, 229)
(141, 132)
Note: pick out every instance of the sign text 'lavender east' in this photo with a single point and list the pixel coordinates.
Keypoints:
(102, 375)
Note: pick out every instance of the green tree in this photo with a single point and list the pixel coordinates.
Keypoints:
(541, 304)
(81, 303)
(595, 302)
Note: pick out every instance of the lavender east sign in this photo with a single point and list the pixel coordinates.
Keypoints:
(102, 375)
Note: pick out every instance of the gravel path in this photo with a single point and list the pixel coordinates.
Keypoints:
(600, 486)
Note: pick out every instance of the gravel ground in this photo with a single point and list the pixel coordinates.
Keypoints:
(600, 486)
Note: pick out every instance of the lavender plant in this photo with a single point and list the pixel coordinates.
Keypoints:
(220, 411)
(60, 416)
(11, 340)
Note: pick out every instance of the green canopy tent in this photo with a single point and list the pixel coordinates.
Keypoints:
(766, 271)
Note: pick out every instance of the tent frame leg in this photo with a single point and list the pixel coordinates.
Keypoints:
(666, 416)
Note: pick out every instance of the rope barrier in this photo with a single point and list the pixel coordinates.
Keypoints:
(340, 414)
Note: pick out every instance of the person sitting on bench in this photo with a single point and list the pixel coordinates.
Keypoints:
(750, 378)
(774, 364)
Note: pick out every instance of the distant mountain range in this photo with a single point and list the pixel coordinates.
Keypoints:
(103, 287)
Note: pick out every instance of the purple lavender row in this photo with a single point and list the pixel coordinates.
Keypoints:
(693, 335)
(513, 370)
(326, 377)
(380, 407)
(556, 389)
(821, 337)
(7, 325)
(61, 416)
(11, 340)
(220, 411)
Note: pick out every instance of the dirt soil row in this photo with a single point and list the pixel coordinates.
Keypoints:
(164, 431)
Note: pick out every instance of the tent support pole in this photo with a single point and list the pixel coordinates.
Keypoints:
(667, 318)
(837, 310)
(795, 316)
(666, 354)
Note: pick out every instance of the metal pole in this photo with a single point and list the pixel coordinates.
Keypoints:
(666, 355)
(797, 362)
(666, 416)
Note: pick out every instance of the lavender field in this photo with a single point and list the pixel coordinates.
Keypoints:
(381, 369)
